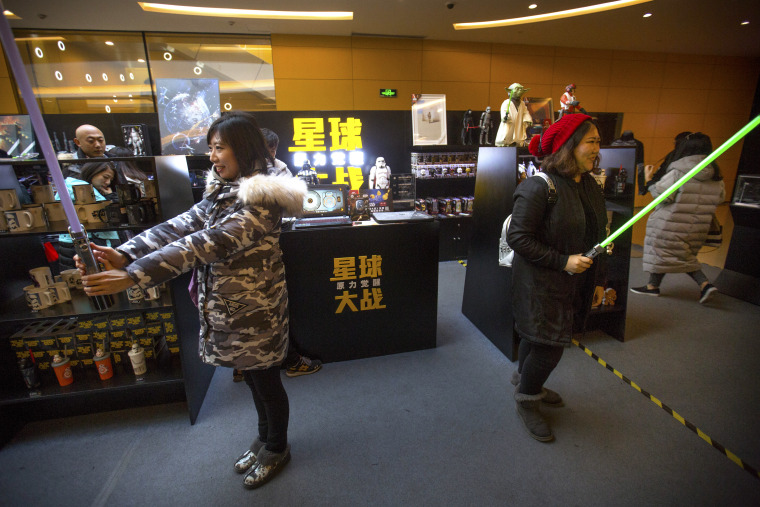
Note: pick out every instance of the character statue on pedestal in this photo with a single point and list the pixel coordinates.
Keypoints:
(485, 126)
(380, 175)
(569, 102)
(515, 118)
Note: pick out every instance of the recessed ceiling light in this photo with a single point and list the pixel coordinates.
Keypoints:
(61, 45)
(141, 60)
(9, 15)
(167, 56)
(647, 15)
(745, 23)
(109, 43)
(532, 6)
(246, 13)
(38, 52)
(88, 78)
(58, 75)
(580, 11)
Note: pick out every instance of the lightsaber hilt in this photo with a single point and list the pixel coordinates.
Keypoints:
(83, 250)
(598, 249)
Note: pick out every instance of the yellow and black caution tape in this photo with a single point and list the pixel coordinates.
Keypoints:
(463, 263)
(733, 457)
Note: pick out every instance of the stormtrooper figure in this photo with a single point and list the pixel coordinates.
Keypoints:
(515, 118)
(308, 174)
(485, 126)
(380, 174)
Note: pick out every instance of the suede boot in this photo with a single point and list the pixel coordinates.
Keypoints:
(267, 465)
(528, 408)
(551, 398)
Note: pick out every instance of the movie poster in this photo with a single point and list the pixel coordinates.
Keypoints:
(186, 109)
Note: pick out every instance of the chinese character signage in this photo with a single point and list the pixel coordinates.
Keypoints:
(341, 146)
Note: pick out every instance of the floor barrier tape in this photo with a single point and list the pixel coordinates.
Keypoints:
(733, 457)
(463, 263)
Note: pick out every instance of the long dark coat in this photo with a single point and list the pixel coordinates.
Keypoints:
(545, 299)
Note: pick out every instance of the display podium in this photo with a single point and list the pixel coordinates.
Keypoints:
(364, 290)
(487, 299)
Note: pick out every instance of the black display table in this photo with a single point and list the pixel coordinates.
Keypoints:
(363, 290)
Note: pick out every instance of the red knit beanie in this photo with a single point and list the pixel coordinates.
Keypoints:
(556, 135)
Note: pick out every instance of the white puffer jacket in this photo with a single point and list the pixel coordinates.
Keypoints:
(678, 226)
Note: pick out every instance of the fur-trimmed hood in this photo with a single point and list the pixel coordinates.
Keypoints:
(261, 189)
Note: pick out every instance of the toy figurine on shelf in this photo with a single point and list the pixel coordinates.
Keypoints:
(515, 118)
(380, 174)
(467, 127)
(485, 126)
(569, 102)
(308, 174)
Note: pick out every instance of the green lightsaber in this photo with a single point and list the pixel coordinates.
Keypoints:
(686, 177)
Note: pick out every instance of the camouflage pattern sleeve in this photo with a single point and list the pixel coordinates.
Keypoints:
(162, 234)
(236, 228)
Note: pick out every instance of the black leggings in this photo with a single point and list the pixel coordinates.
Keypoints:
(272, 406)
(535, 364)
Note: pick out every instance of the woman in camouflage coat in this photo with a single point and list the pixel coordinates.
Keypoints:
(231, 239)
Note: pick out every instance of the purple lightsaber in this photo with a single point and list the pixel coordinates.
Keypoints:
(78, 234)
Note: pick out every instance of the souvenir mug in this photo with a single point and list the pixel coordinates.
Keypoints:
(42, 276)
(42, 193)
(54, 211)
(9, 199)
(18, 220)
(83, 194)
(38, 214)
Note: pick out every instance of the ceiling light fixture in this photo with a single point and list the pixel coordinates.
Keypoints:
(9, 15)
(745, 23)
(647, 15)
(188, 10)
(109, 43)
(532, 6)
(61, 45)
(580, 11)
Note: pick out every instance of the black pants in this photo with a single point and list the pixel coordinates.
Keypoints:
(272, 406)
(535, 364)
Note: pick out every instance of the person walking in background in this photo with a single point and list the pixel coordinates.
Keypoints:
(552, 281)
(231, 241)
(678, 226)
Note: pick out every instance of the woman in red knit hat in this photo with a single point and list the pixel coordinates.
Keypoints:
(552, 281)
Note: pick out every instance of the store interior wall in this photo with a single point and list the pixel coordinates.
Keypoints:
(658, 94)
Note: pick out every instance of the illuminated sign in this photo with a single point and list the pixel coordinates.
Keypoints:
(339, 143)
(388, 93)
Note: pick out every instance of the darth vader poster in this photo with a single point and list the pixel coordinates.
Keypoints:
(186, 109)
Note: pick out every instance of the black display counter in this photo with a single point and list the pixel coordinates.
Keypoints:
(364, 290)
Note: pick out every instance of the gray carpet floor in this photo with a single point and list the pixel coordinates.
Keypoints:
(438, 427)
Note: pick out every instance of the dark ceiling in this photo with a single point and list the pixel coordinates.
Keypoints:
(676, 26)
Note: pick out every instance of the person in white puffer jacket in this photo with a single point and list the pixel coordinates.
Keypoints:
(678, 226)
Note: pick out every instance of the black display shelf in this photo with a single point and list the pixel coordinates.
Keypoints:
(16, 311)
(62, 227)
(87, 382)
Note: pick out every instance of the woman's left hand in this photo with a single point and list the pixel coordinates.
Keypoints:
(106, 282)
